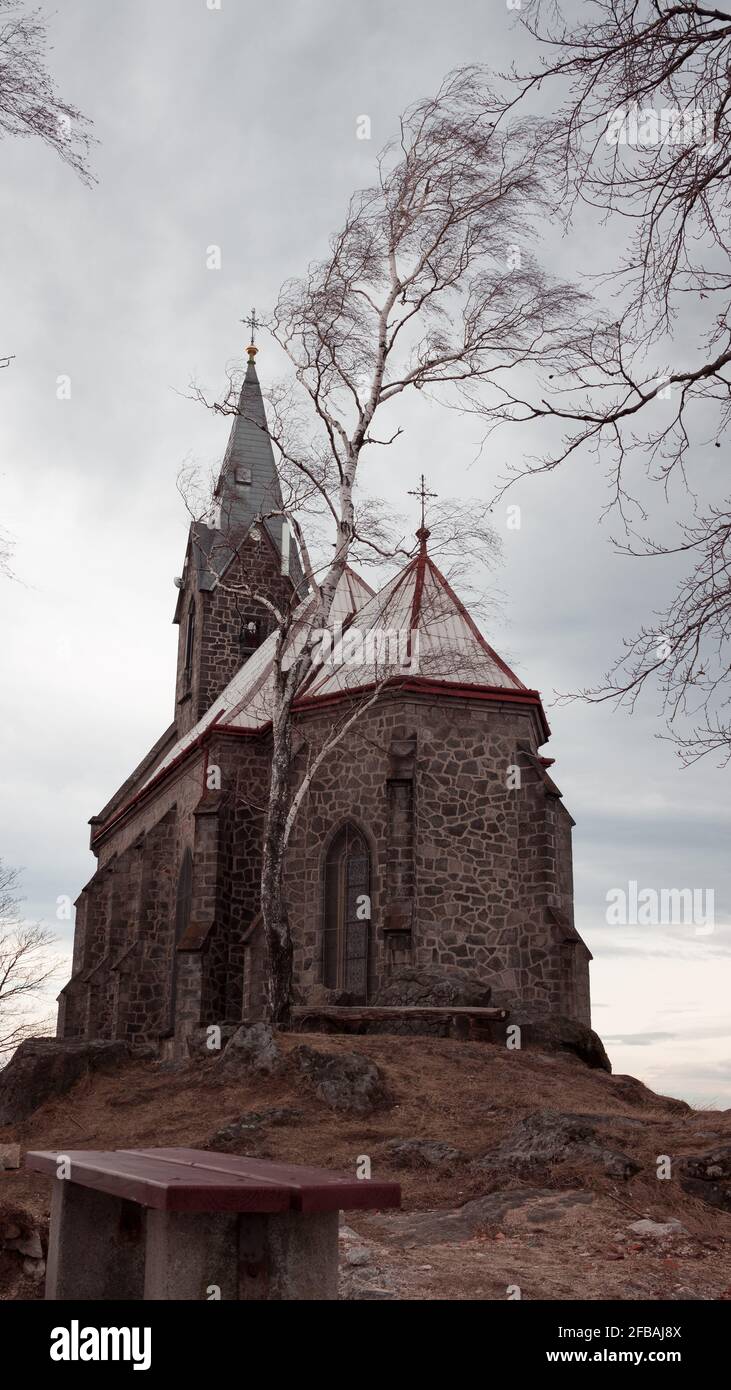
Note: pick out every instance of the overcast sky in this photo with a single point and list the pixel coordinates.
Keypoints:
(237, 128)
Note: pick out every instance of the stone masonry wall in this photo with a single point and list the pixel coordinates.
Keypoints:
(231, 979)
(489, 860)
(466, 870)
(216, 649)
(123, 948)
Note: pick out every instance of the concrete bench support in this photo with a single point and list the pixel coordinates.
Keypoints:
(289, 1257)
(190, 1255)
(250, 1257)
(96, 1247)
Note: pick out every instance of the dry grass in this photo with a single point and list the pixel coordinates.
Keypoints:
(469, 1094)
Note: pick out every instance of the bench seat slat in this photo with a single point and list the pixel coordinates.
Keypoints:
(311, 1189)
(151, 1181)
(178, 1179)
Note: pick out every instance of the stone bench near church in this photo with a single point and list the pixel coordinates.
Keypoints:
(188, 1224)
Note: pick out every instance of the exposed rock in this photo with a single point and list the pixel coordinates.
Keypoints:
(9, 1156)
(416, 1228)
(615, 1163)
(708, 1176)
(9, 1231)
(358, 1257)
(44, 1067)
(548, 1137)
(345, 1081)
(658, 1229)
(675, 1106)
(252, 1123)
(551, 1032)
(254, 1049)
(714, 1194)
(428, 985)
(433, 984)
(199, 1042)
(28, 1245)
(635, 1092)
(424, 1153)
(710, 1166)
(35, 1268)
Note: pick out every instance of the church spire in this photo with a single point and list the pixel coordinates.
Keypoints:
(248, 496)
(245, 541)
(248, 485)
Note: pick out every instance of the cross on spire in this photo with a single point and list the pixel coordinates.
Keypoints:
(422, 493)
(253, 323)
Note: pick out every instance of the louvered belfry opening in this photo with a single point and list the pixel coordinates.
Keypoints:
(347, 914)
(254, 630)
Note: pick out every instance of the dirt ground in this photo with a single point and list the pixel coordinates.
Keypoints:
(563, 1234)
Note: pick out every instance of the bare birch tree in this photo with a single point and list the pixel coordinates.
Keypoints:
(25, 965)
(419, 292)
(640, 90)
(30, 105)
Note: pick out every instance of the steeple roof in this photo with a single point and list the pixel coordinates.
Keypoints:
(248, 488)
(248, 484)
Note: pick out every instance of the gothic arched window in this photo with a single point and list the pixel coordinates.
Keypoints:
(347, 913)
(189, 643)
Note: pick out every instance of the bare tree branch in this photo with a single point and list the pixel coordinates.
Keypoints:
(29, 102)
(25, 965)
(642, 133)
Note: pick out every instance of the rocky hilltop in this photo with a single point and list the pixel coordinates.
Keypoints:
(533, 1170)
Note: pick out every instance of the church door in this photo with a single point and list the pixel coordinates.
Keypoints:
(347, 914)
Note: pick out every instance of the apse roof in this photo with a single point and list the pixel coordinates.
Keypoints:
(417, 628)
(414, 630)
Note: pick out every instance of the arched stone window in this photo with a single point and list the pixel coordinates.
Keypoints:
(347, 913)
(183, 903)
(189, 644)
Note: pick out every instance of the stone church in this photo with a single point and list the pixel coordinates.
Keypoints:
(436, 808)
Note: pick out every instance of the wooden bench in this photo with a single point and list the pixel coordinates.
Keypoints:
(188, 1224)
(465, 1021)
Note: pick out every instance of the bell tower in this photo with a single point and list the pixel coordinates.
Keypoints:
(242, 554)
